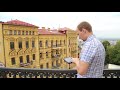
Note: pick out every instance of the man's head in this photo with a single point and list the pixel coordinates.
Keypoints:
(84, 30)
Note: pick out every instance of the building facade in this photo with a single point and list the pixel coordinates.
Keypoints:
(25, 45)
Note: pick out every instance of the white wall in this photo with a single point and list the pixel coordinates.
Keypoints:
(112, 66)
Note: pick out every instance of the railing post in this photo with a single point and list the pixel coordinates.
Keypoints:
(69, 65)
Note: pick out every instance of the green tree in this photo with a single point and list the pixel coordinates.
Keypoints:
(113, 54)
(106, 44)
(116, 60)
(110, 55)
(117, 46)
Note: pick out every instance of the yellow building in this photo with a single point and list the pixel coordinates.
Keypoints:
(25, 45)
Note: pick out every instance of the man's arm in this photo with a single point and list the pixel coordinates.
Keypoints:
(81, 66)
(86, 57)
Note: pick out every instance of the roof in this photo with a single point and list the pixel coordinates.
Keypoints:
(1, 21)
(65, 28)
(49, 32)
(18, 22)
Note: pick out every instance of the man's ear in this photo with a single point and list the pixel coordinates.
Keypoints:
(84, 30)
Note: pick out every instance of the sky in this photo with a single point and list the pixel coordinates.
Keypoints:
(104, 24)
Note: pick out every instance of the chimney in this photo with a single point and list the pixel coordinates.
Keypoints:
(1, 21)
(43, 28)
(48, 29)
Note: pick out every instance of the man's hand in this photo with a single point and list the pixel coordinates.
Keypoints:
(75, 60)
(81, 66)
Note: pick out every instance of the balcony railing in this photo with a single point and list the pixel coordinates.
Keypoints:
(56, 56)
(53, 46)
(74, 51)
(56, 46)
(48, 73)
(26, 64)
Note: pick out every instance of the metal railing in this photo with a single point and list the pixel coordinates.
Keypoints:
(48, 73)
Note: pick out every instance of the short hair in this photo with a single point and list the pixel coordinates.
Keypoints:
(85, 25)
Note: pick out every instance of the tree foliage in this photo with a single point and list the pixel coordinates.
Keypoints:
(112, 53)
(106, 44)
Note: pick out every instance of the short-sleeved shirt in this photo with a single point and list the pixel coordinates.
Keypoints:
(93, 52)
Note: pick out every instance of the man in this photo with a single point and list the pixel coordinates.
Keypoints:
(92, 56)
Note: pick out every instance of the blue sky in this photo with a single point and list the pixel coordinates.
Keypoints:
(105, 24)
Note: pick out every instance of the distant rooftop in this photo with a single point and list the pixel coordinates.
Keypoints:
(49, 32)
(64, 29)
(18, 22)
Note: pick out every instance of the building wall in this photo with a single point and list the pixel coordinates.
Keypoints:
(72, 45)
(113, 66)
(2, 56)
(64, 47)
(64, 50)
(44, 60)
(17, 52)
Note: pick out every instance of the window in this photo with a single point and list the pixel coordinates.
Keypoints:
(21, 59)
(19, 32)
(15, 32)
(47, 65)
(64, 51)
(33, 56)
(20, 44)
(61, 51)
(11, 45)
(51, 43)
(40, 43)
(27, 44)
(46, 43)
(33, 44)
(56, 43)
(64, 42)
(47, 54)
(60, 42)
(52, 64)
(13, 61)
(22, 32)
(57, 63)
(26, 32)
(69, 41)
(29, 32)
(10, 32)
(32, 32)
(57, 52)
(41, 66)
(40, 55)
(52, 54)
(27, 58)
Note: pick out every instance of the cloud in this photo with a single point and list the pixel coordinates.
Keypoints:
(105, 24)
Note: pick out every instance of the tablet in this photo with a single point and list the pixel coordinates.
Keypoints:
(68, 60)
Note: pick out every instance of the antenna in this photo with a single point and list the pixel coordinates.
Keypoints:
(59, 27)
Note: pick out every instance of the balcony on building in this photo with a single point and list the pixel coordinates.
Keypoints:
(57, 46)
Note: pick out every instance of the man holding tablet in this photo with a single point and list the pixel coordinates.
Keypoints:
(92, 56)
